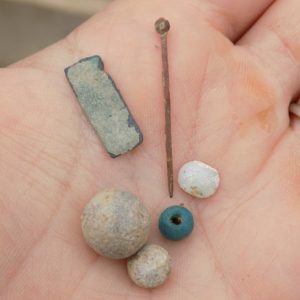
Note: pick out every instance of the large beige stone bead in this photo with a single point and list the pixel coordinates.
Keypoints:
(115, 224)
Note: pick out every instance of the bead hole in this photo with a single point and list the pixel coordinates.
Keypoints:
(177, 220)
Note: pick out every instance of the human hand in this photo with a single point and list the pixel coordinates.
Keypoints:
(229, 109)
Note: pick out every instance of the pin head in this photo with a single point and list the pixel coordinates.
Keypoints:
(162, 26)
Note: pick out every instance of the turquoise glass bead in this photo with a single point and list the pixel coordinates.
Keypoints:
(176, 223)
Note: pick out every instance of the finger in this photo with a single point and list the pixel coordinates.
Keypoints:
(275, 40)
(234, 17)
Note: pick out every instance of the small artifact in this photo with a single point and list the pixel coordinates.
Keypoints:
(150, 267)
(176, 223)
(104, 106)
(115, 224)
(198, 179)
(162, 26)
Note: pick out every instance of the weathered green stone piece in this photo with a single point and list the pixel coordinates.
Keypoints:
(104, 106)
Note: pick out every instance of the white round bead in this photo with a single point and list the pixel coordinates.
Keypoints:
(150, 267)
(198, 179)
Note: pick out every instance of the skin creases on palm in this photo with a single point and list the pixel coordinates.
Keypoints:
(228, 110)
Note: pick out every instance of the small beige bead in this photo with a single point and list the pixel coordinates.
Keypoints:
(150, 267)
(115, 224)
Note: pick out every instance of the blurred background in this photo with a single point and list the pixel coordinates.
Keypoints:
(27, 26)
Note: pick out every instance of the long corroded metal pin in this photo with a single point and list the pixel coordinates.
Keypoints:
(162, 26)
(104, 106)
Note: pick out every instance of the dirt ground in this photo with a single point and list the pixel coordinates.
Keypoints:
(26, 27)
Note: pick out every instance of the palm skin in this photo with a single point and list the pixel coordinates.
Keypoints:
(228, 110)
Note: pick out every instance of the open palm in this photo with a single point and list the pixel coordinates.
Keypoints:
(230, 92)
